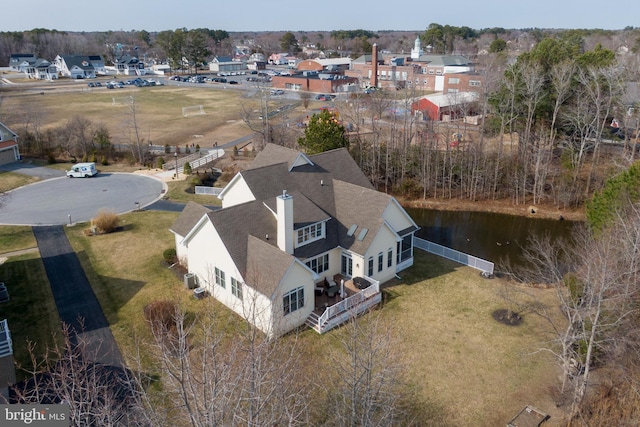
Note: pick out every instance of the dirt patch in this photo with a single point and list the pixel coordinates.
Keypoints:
(507, 317)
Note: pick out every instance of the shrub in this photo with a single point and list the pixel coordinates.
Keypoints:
(167, 150)
(103, 161)
(197, 148)
(51, 158)
(170, 255)
(161, 316)
(93, 158)
(105, 221)
(84, 158)
(187, 169)
(159, 162)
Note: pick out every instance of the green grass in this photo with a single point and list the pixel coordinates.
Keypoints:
(178, 192)
(31, 312)
(15, 238)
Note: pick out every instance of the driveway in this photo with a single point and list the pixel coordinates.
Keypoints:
(63, 200)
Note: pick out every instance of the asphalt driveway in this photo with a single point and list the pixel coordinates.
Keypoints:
(61, 200)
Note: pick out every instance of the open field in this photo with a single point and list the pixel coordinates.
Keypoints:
(158, 112)
(456, 356)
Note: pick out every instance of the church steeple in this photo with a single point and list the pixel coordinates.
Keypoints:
(417, 50)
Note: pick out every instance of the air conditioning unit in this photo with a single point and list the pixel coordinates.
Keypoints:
(190, 281)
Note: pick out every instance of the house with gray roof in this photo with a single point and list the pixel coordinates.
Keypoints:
(75, 66)
(9, 151)
(130, 66)
(18, 60)
(299, 240)
(41, 69)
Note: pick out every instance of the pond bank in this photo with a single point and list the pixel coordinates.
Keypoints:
(496, 206)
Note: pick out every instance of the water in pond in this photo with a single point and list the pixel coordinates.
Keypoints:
(489, 236)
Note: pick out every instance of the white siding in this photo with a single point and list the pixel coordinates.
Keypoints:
(297, 276)
(236, 192)
(397, 217)
(384, 240)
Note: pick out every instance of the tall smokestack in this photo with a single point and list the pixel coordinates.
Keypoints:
(374, 65)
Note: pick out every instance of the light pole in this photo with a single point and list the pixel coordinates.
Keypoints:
(176, 157)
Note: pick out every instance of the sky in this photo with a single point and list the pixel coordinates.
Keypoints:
(315, 15)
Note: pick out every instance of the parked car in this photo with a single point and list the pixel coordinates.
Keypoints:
(91, 84)
(277, 92)
(234, 82)
(98, 84)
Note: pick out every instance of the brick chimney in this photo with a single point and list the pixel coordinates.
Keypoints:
(374, 65)
(284, 211)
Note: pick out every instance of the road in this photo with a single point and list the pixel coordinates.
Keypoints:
(68, 200)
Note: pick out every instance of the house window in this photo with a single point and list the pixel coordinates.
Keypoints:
(439, 72)
(293, 300)
(319, 264)
(454, 80)
(405, 248)
(390, 258)
(380, 261)
(220, 281)
(370, 267)
(310, 233)
(474, 83)
(236, 288)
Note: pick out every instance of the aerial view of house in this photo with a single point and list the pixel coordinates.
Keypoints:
(299, 239)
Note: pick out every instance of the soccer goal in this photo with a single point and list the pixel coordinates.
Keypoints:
(126, 100)
(195, 110)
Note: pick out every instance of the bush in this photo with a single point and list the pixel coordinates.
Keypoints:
(167, 150)
(187, 169)
(159, 162)
(103, 161)
(93, 158)
(51, 158)
(161, 316)
(105, 222)
(170, 255)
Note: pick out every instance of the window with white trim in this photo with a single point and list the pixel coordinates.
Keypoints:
(380, 262)
(319, 264)
(454, 80)
(310, 233)
(475, 82)
(390, 258)
(220, 280)
(293, 300)
(236, 288)
(370, 267)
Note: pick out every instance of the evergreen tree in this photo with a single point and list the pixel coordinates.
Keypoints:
(324, 133)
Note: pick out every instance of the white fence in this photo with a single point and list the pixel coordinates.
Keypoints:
(210, 191)
(453, 255)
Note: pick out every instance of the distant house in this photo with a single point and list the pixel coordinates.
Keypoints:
(9, 151)
(299, 240)
(75, 66)
(17, 60)
(41, 69)
(129, 66)
(278, 59)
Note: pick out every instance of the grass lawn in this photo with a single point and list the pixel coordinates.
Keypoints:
(31, 312)
(11, 180)
(15, 238)
(456, 357)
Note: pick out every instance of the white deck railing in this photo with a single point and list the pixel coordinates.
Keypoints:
(6, 346)
(352, 305)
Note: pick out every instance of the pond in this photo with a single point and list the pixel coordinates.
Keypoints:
(490, 236)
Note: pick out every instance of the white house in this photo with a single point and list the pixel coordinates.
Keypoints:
(9, 151)
(129, 66)
(75, 66)
(41, 69)
(299, 239)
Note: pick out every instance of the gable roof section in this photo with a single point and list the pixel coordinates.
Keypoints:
(188, 218)
(266, 265)
(273, 154)
(7, 134)
(80, 61)
(360, 206)
(236, 223)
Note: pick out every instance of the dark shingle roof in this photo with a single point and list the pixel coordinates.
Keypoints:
(266, 265)
(188, 218)
(80, 61)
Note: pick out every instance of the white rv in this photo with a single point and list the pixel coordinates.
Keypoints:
(82, 170)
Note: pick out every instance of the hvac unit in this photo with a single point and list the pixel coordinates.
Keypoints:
(190, 281)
